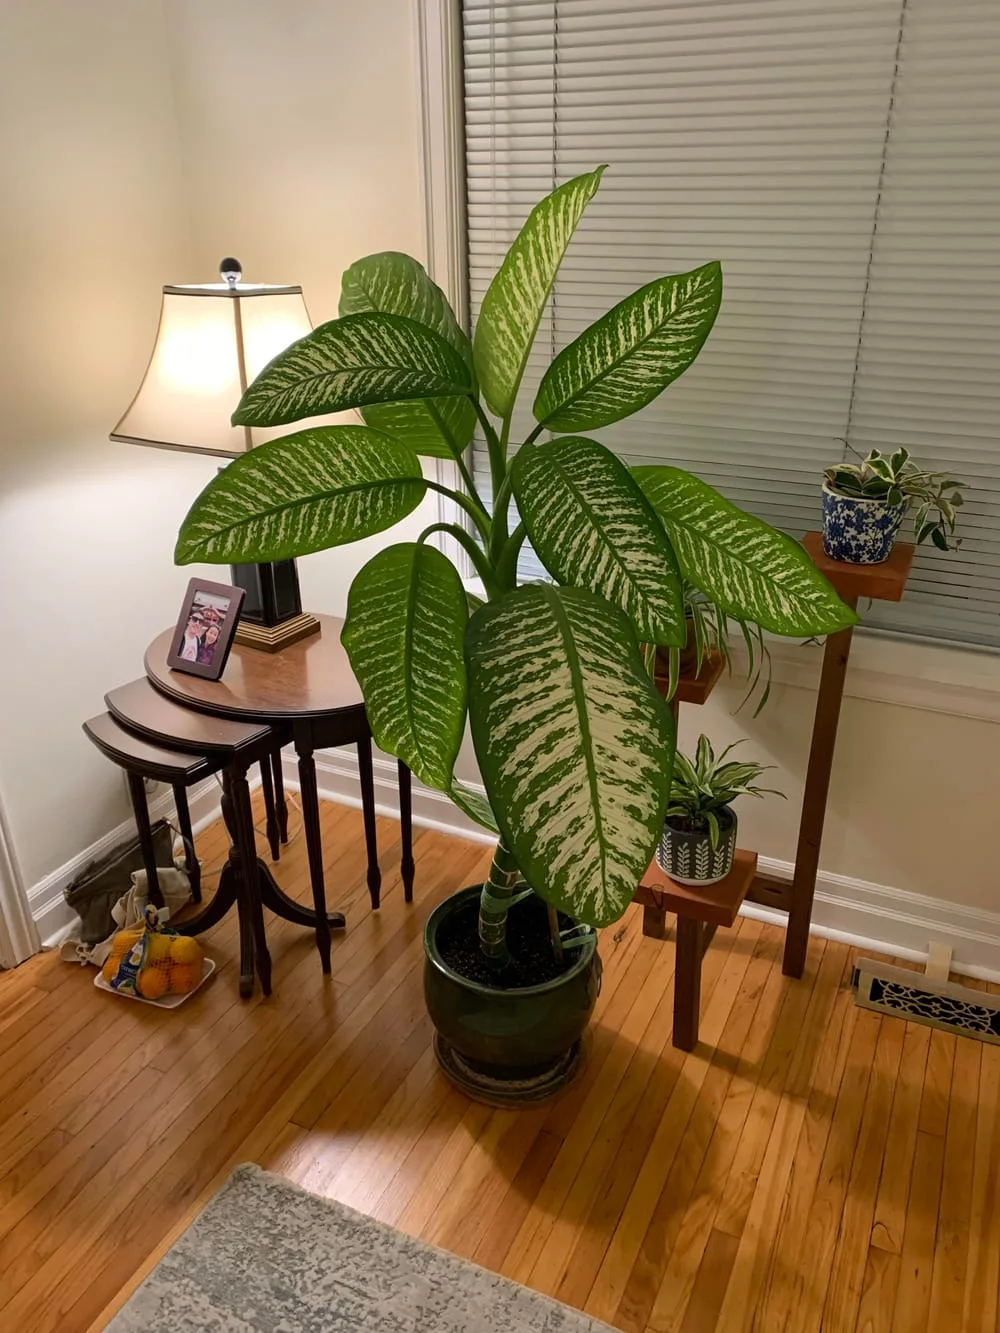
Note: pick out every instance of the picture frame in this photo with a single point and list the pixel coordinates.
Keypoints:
(205, 629)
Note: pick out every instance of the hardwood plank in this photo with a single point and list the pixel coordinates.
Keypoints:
(850, 1257)
(917, 1257)
(763, 1216)
(710, 1285)
(894, 1186)
(878, 1292)
(937, 1083)
(614, 1190)
(982, 1274)
(951, 1250)
(729, 1082)
(627, 1282)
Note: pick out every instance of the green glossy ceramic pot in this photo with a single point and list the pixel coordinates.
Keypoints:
(507, 1046)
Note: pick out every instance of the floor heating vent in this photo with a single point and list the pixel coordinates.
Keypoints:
(923, 999)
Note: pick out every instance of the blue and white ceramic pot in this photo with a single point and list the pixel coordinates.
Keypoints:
(857, 530)
(687, 856)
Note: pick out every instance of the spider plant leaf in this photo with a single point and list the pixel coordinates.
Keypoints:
(351, 362)
(397, 285)
(592, 527)
(747, 567)
(711, 819)
(574, 743)
(514, 301)
(319, 487)
(404, 635)
(629, 356)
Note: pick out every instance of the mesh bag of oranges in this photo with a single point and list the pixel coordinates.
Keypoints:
(151, 961)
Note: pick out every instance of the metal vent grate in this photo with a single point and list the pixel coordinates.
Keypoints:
(922, 999)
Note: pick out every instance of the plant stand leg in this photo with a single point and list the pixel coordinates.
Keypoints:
(817, 787)
(654, 923)
(140, 808)
(687, 982)
(314, 842)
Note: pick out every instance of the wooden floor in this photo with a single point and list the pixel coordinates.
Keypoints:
(811, 1166)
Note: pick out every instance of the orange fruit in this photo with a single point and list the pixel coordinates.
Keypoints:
(183, 949)
(158, 947)
(153, 982)
(184, 977)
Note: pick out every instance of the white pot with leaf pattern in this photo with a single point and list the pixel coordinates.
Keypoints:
(690, 855)
(699, 830)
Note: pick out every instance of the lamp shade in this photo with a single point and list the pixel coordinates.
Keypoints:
(212, 341)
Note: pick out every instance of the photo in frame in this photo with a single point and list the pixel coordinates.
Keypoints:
(205, 629)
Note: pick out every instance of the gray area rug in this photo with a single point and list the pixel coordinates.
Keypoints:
(265, 1257)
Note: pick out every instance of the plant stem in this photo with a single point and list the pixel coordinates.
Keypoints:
(506, 566)
(501, 504)
(470, 485)
(478, 516)
(534, 434)
(498, 468)
(475, 553)
(554, 936)
(494, 903)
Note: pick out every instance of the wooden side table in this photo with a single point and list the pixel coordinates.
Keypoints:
(885, 583)
(700, 910)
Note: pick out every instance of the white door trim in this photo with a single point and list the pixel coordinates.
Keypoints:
(18, 933)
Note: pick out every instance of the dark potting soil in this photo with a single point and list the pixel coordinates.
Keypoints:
(531, 959)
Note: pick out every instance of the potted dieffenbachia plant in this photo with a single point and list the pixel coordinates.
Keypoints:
(864, 504)
(574, 743)
(699, 832)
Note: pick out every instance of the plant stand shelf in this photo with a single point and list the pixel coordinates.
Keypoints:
(884, 582)
(700, 910)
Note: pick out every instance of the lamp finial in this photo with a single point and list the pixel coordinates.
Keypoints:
(230, 271)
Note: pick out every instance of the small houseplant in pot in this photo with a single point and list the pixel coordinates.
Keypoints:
(574, 743)
(864, 504)
(699, 831)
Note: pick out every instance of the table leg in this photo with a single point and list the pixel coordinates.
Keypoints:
(184, 824)
(314, 847)
(817, 787)
(270, 813)
(137, 791)
(406, 867)
(687, 983)
(254, 954)
(654, 922)
(280, 804)
(367, 776)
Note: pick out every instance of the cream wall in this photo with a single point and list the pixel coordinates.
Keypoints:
(139, 142)
(92, 220)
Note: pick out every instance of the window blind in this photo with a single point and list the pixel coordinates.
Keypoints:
(839, 157)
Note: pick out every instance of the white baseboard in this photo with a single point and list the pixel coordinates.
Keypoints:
(54, 918)
(854, 911)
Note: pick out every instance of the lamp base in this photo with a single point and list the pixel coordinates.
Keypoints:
(272, 638)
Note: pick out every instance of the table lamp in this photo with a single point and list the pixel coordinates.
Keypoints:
(212, 341)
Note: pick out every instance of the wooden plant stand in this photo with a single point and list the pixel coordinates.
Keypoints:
(700, 911)
(883, 583)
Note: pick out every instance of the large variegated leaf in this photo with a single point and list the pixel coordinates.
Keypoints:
(624, 360)
(350, 362)
(574, 743)
(317, 488)
(406, 618)
(745, 566)
(398, 285)
(475, 805)
(515, 299)
(592, 527)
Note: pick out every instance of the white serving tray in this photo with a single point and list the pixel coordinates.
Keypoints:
(167, 1001)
